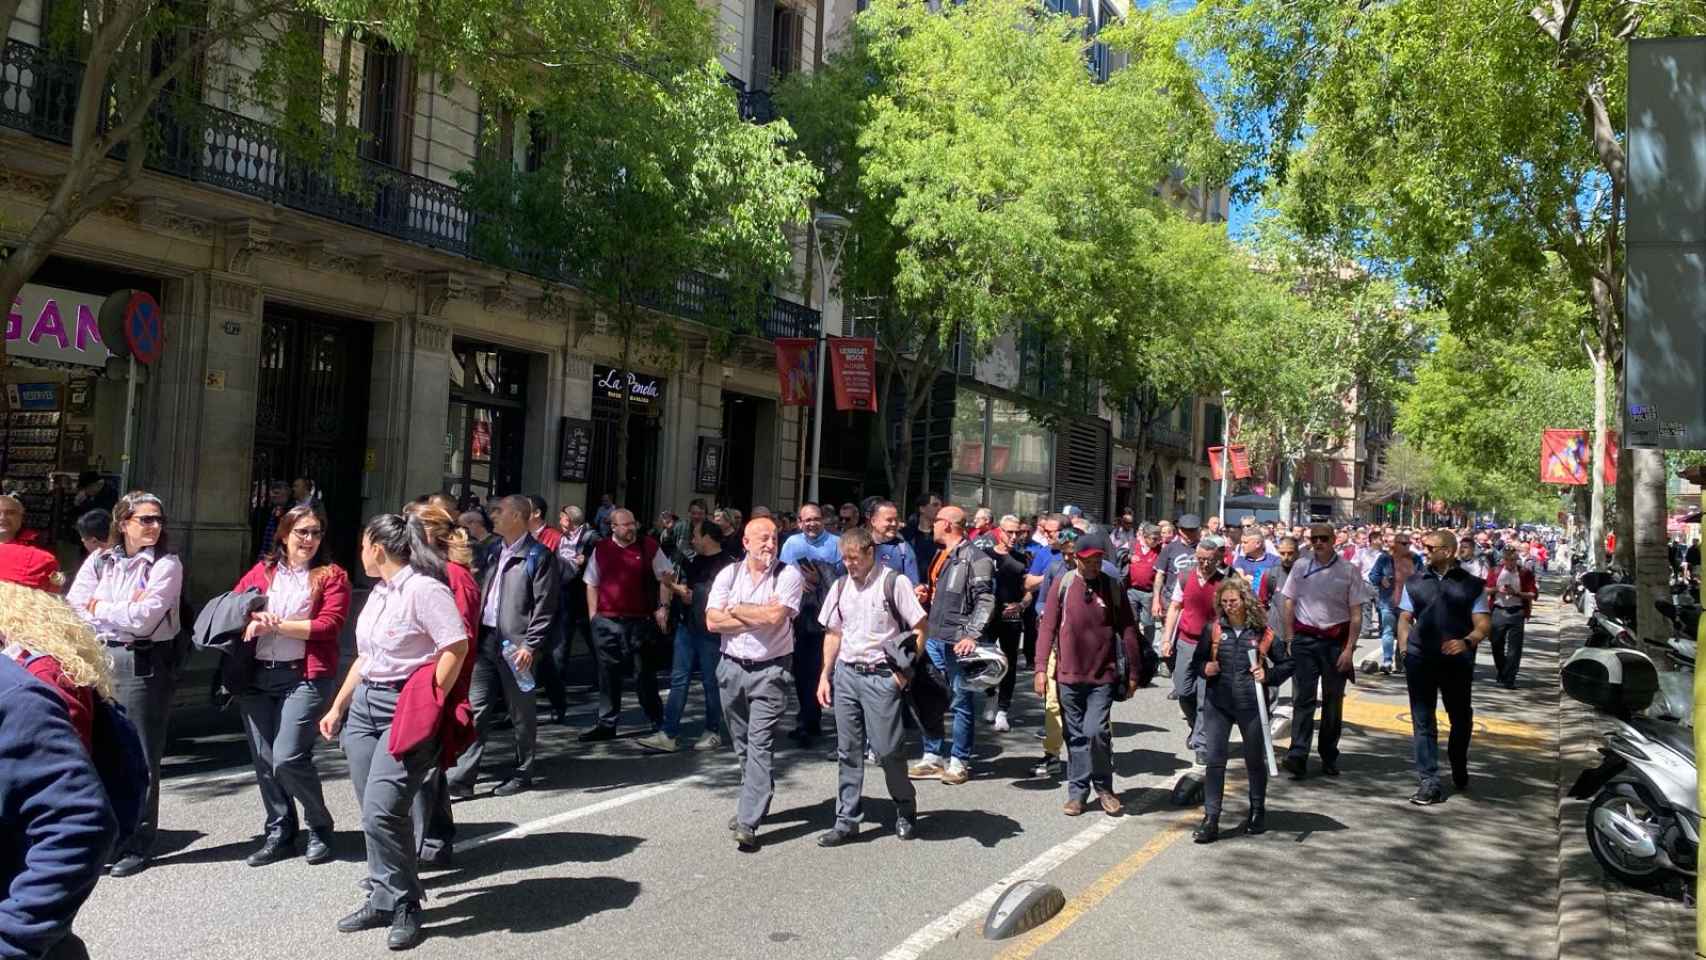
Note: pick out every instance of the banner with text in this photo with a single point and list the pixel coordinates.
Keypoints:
(1240, 456)
(1564, 457)
(853, 369)
(796, 369)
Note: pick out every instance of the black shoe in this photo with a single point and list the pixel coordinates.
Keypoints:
(275, 848)
(746, 840)
(1206, 832)
(513, 786)
(1460, 779)
(459, 791)
(366, 918)
(600, 732)
(1296, 766)
(319, 846)
(905, 828)
(1427, 795)
(438, 859)
(1330, 767)
(836, 837)
(1256, 822)
(129, 865)
(405, 927)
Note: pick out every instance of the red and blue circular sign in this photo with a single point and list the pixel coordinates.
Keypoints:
(144, 328)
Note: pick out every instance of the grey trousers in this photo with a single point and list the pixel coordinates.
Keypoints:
(1148, 632)
(754, 702)
(869, 705)
(385, 789)
(281, 715)
(1188, 685)
(143, 681)
(435, 825)
(1084, 711)
(491, 687)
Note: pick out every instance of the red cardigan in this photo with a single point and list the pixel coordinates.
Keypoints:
(424, 710)
(1526, 577)
(330, 592)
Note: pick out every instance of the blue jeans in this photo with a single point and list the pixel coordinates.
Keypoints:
(692, 647)
(1388, 633)
(961, 704)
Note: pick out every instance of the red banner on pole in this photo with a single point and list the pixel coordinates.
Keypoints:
(1564, 458)
(1240, 457)
(796, 370)
(853, 370)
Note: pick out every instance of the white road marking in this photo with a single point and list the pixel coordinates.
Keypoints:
(175, 783)
(610, 803)
(945, 926)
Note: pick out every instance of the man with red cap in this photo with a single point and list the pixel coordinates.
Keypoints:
(21, 563)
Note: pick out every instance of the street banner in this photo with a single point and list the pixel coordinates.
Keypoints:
(1240, 456)
(1564, 457)
(796, 369)
(853, 370)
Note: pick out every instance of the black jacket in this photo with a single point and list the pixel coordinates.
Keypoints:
(1441, 607)
(962, 600)
(527, 601)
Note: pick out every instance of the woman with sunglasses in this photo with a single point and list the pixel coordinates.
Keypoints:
(1231, 685)
(288, 681)
(129, 592)
(410, 623)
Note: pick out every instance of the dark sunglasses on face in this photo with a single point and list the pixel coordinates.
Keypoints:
(150, 520)
(1320, 539)
(307, 533)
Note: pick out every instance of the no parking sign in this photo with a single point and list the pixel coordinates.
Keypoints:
(144, 328)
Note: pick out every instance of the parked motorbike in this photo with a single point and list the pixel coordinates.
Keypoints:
(1641, 821)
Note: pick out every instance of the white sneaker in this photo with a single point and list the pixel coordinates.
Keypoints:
(660, 742)
(989, 715)
(1001, 724)
(927, 767)
(957, 772)
(707, 742)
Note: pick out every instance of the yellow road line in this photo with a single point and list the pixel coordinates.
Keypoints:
(1393, 716)
(1094, 894)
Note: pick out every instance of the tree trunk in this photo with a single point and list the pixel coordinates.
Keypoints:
(1596, 502)
(1626, 510)
(1652, 560)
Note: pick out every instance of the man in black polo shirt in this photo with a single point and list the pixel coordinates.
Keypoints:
(1442, 618)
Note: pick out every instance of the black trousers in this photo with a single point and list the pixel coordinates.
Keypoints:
(1008, 635)
(1219, 715)
(1317, 668)
(808, 665)
(626, 645)
(1506, 641)
(1430, 680)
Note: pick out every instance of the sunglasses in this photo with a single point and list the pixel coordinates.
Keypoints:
(307, 533)
(1320, 539)
(150, 520)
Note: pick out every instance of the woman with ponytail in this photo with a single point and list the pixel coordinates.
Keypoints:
(410, 623)
(435, 825)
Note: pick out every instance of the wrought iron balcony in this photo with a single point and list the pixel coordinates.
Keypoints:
(1168, 438)
(38, 95)
(755, 105)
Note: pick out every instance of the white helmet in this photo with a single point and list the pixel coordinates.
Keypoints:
(983, 669)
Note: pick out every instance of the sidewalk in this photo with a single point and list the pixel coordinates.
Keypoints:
(1598, 918)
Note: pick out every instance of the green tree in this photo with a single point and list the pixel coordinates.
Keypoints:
(989, 182)
(1468, 142)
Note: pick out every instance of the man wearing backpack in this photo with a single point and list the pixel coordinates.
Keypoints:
(874, 633)
(56, 826)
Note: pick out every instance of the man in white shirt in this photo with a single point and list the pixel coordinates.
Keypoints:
(1323, 615)
(753, 605)
(867, 614)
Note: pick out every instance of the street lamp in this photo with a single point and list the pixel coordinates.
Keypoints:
(836, 226)
(1225, 449)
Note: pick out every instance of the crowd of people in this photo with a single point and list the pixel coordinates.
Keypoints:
(474, 611)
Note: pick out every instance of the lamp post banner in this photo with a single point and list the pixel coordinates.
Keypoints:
(796, 370)
(853, 366)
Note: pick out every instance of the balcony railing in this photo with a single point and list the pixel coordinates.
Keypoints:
(755, 105)
(38, 95)
(1168, 438)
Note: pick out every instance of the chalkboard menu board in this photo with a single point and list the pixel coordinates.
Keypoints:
(574, 450)
(708, 472)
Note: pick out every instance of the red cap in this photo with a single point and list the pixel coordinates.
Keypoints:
(30, 567)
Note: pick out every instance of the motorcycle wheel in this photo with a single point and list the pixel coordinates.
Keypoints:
(1642, 874)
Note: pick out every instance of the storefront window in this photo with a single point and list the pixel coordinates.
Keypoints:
(483, 444)
(968, 433)
(1021, 503)
(1019, 449)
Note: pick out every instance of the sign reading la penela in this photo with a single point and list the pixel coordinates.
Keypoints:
(643, 390)
(47, 323)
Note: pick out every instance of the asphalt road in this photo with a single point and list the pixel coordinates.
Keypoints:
(624, 854)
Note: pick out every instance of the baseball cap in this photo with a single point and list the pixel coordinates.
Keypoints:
(1092, 545)
(1190, 521)
(1072, 511)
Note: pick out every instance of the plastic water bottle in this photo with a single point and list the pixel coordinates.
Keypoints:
(523, 678)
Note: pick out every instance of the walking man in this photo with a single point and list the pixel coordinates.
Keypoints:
(961, 597)
(1513, 592)
(1089, 628)
(1145, 551)
(1190, 613)
(752, 605)
(627, 599)
(893, 550)
(816, 554)
(1442, 619)
(520, 592)
(1323, 616)
(874, 635)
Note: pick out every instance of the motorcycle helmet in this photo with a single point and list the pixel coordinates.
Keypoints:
(983, 669)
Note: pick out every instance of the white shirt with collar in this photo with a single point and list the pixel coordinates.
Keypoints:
(494, 589)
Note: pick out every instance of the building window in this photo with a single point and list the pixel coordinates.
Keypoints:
(387, 104)
(787, 40)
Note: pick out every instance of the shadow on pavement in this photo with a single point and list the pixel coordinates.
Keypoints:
(988, 829)
(533, 905)
(532, 852)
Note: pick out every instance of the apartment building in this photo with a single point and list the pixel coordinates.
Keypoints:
(357, 342)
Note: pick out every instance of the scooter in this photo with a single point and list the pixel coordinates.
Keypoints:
(1643, 815)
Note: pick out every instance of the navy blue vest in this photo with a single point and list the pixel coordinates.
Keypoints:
(1441, 607)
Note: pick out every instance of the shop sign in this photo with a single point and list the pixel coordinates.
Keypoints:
(574, 450)
(708, 466)
(643, 390)
(32, 396)
(47, 323)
